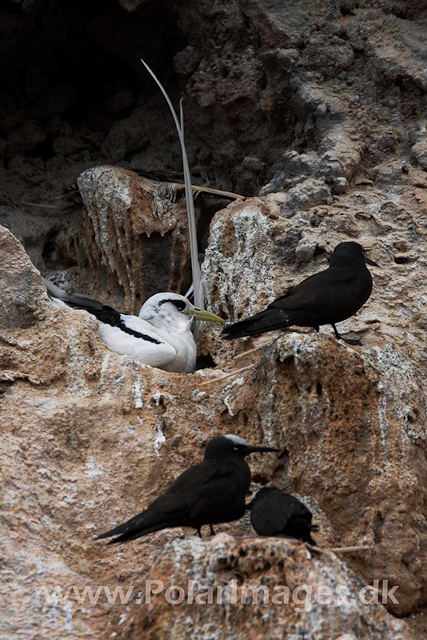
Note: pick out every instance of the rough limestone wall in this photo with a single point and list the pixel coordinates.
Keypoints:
(320, 106)
(231, 572)
(140, 238)
(86, 434)
(352, 419)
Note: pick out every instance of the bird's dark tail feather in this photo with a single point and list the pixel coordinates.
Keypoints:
(140, 525)
(73, 300)
(267, 320)
(133, 535)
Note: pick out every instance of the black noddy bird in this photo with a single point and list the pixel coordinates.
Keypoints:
(328, 297)
(275, 513)
(210, 492)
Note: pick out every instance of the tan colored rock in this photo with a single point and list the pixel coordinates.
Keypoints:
(133, 235)
(89, 438)
(253, 588)
(23, 295)
(352, 420)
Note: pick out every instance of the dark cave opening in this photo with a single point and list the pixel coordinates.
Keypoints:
(73, 62)
(205, 362)
(74, 95)
(70, 78)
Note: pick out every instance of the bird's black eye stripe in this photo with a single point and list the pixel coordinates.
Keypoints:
(179, 304)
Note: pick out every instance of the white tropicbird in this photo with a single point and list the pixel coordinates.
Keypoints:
(160, 335)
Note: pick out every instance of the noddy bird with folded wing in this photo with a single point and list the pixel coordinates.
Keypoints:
(328, 297)
(210, 492)
(275, 513)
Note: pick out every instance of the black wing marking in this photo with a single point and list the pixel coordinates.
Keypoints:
(102, 312)
(110, 316)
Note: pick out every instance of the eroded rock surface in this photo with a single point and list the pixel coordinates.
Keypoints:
(251, 588)
(320, 109)
(368, 402)
(23, 296)
(86, 433)
(136, 230)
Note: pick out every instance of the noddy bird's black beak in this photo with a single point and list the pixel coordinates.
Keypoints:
(251, 449)
(371, 262)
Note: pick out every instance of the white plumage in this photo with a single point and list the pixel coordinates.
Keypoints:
(159, 336)
(236, 439)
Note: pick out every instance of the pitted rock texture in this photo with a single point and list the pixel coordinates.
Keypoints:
(351, 428)
(138, 235)
(259, 248)
(340, 83)
(23, 296)
(90, 438)
(320, 108)
(228, 585)
(374, 404)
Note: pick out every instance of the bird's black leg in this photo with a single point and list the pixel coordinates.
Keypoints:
(199, 531)
(337, 335)
(212, 530)
(347, 340)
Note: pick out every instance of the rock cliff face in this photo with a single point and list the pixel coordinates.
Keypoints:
(136, 231)
(317, 111)
(230, 576)
(355, 417)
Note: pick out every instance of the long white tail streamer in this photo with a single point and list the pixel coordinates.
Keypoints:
(195, 267)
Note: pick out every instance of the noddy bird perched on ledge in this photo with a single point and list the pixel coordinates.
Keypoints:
(275, 513)
(210, 492)
(328, 297)
(159, 336)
